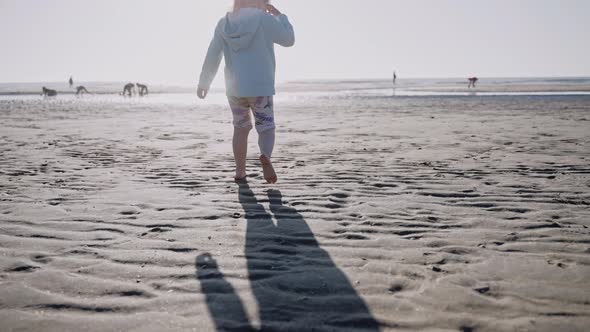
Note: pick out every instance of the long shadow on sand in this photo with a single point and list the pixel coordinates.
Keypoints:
(296, 284)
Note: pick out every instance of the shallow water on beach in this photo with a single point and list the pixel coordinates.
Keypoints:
(515, 94)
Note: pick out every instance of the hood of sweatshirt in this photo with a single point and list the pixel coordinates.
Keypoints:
(238, 29)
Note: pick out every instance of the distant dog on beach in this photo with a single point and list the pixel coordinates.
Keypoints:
(472, 81)
(81, 90)
(49, 92)
(143, 89)
(128, 89)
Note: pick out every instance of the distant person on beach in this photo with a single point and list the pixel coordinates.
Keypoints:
(143, 89)
(246, 38)
(81, 90)
(394, 77)
(71, 81)
(472, 81)
(128, 89)
(49, 92)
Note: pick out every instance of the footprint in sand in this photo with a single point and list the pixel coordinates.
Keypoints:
(23, 268)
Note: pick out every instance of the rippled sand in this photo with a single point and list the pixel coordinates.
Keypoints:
(459, 214)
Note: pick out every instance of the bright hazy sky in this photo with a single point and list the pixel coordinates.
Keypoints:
(165, 41)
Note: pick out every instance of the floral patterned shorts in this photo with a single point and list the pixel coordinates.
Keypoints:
(262, 108)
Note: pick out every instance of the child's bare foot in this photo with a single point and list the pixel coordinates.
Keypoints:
(240, 180)
(240, 176)
(269, 172)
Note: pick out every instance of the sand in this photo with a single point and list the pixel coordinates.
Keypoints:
(442, 214)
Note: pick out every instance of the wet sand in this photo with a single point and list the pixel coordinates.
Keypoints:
(458, 214)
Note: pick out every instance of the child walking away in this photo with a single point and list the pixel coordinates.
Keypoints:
(245, 37)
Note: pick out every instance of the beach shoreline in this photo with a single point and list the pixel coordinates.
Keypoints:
(403, 87)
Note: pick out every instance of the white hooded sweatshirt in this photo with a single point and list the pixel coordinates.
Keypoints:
(246, 40)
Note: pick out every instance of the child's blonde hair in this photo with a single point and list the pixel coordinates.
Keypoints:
(238, 4)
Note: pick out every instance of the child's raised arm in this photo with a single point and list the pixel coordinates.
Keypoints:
(211, 65)
(279, 27)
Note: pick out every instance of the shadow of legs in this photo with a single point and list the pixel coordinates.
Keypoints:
(296, 284)
(224, 305)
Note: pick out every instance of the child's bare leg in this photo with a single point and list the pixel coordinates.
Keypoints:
(265, 125)
(240, 146)
(266, 142)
